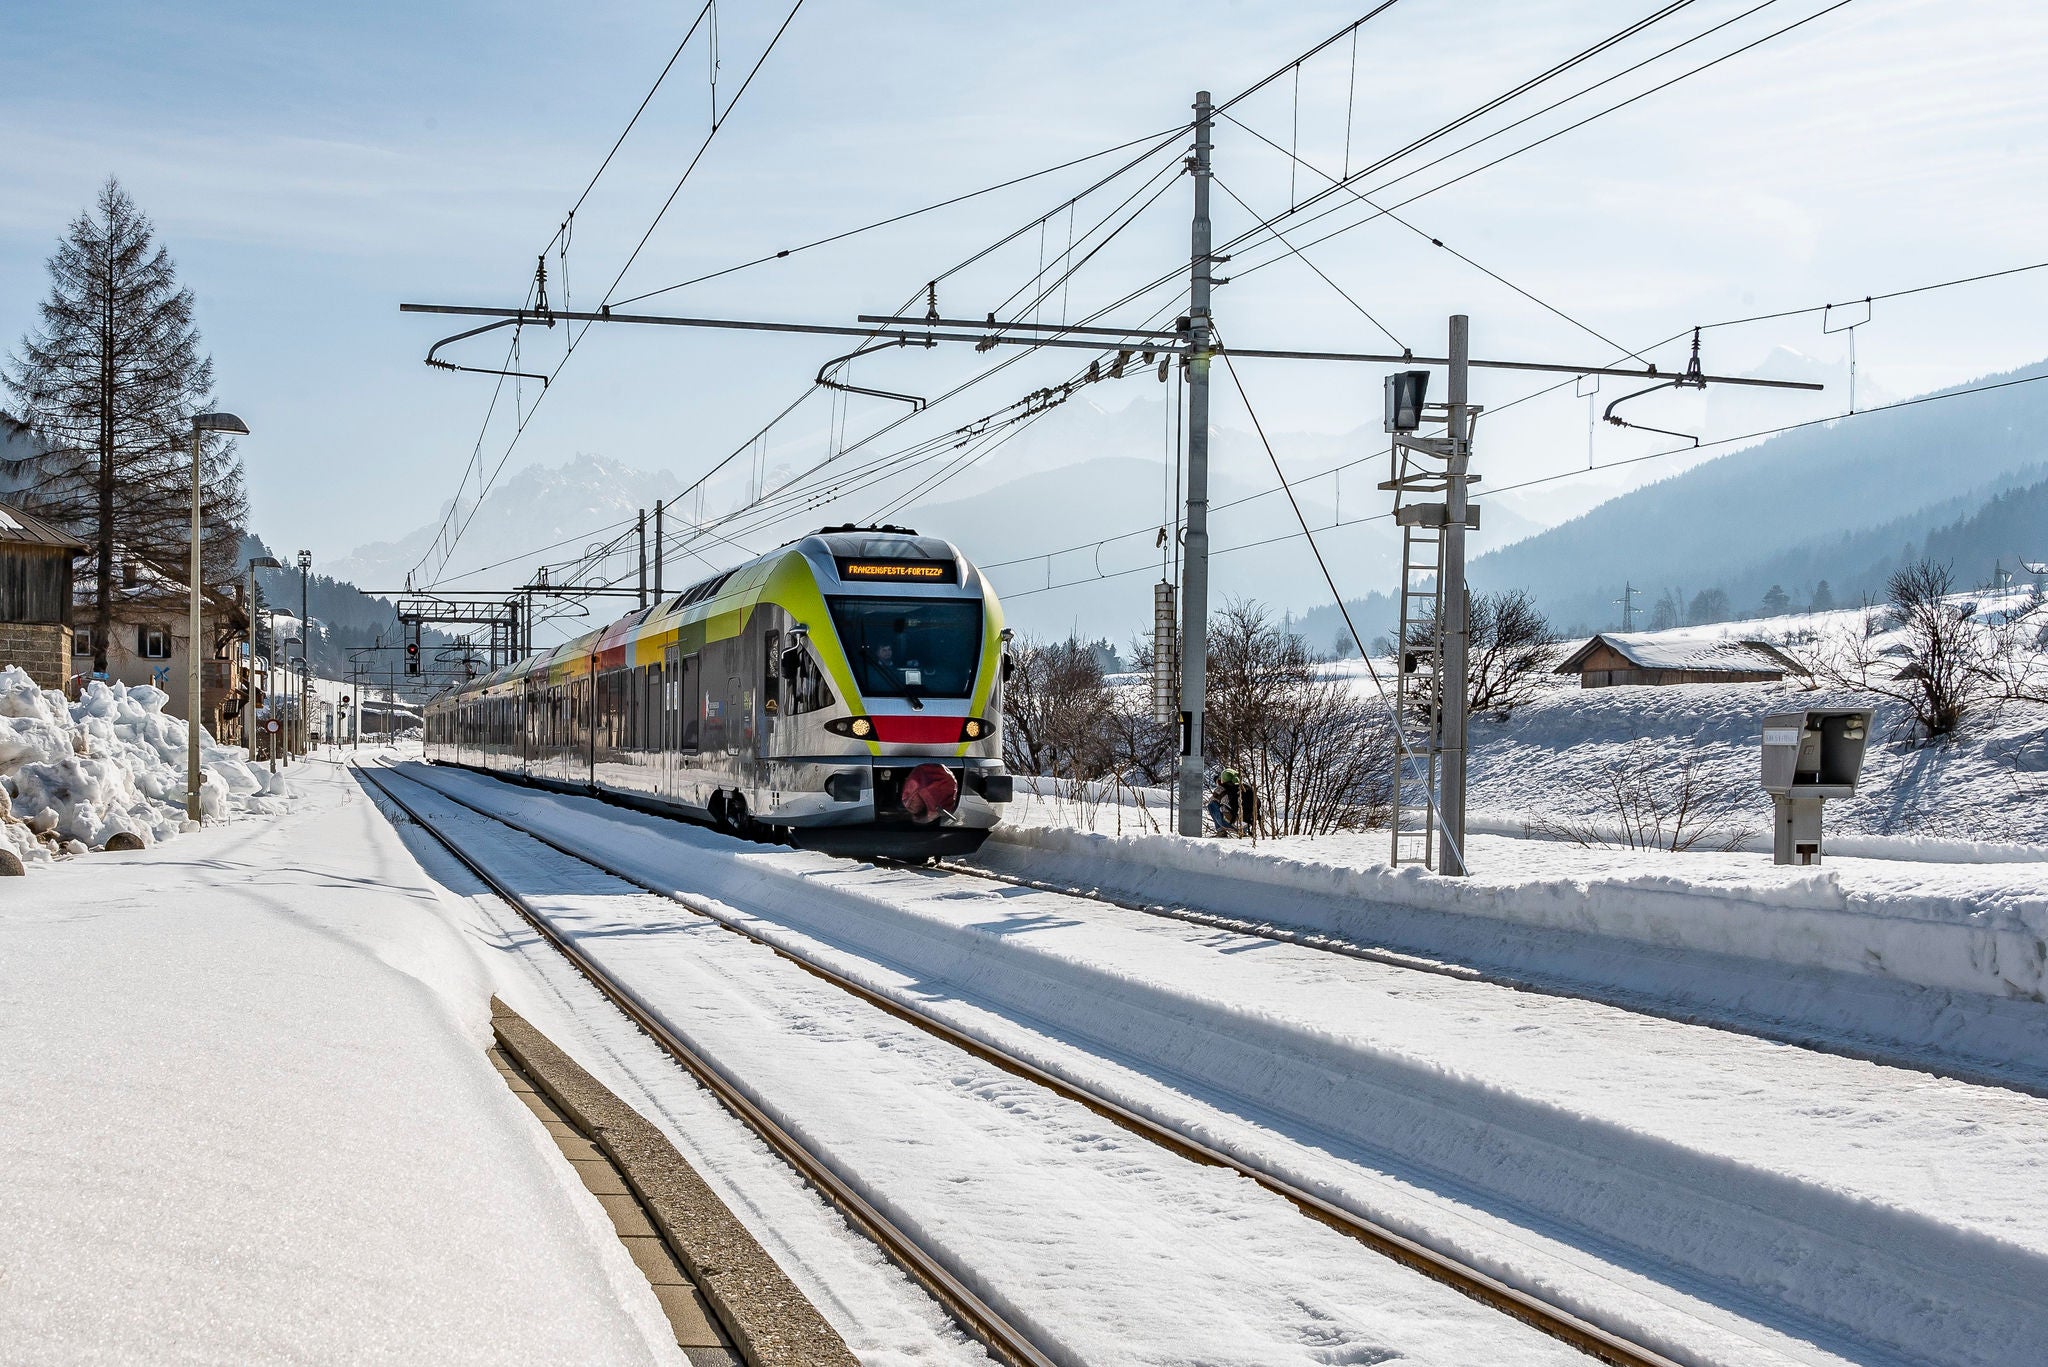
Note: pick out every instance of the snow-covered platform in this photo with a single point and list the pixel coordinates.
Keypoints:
(1927, 961)
(250, 1116)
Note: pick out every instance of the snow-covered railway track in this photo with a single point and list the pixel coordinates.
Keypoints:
(1008, 1342)
(903, 1248)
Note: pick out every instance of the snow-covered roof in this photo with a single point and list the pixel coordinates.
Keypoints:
(17, 527)
(1689, 651)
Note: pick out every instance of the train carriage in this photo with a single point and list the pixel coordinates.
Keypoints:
(844, 692)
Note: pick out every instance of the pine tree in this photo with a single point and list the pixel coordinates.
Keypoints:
(1823, 597)
(109, 383)
(1777, 602)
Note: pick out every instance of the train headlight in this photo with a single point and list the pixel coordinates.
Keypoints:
(974, 728)
(860, 728)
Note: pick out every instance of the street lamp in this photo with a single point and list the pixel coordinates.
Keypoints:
(202, 423)
(259, 562)
(305, 707)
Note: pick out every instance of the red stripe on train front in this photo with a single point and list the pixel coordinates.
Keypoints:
(916, 730)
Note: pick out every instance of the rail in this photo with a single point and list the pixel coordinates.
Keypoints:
(1562, 1324)
(979, 1319)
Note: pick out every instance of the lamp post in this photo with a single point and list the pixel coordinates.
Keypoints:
(202, 423)
(305, 661)
(259, 562)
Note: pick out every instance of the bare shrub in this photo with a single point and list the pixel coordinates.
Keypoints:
(1317, 755)
(1654, 802)
(1056, 708)
(1141, 750)
(2018, 663)
(1508, 653)
(1940, 672)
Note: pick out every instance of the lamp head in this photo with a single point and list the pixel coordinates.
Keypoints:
(219, 422)
(266, 562)
(305, 561)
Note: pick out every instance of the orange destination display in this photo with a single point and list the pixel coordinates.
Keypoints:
(898, 571)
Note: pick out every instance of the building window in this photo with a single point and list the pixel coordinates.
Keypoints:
(81, 641)
(153, 643)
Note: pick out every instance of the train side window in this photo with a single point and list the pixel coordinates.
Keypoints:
(804, 688)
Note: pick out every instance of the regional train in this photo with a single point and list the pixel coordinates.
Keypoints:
(843, 693)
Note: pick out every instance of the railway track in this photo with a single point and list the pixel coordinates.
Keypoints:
(1002, 1338)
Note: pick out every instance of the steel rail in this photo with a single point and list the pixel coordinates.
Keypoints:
(1559, 1323)
(976, 1316)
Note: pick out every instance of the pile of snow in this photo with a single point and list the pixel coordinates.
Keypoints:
(75, 775)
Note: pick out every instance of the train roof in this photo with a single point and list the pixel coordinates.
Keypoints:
(826, 550)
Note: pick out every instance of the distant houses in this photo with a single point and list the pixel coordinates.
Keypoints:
(1616, 658)
(35, 596)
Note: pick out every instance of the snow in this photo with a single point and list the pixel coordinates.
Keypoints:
(1699, 648)
(1927, 962)
(74, 775)
(1723, 1197)
(249, 1119)
(1107, 1248)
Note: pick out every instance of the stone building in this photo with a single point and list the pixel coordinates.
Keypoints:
(150, 638)
(35, 596)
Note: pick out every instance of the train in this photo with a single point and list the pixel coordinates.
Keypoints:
(842, 693)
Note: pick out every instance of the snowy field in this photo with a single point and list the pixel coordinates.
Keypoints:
(1550, 762)
(1727, 1199)
(75, 775)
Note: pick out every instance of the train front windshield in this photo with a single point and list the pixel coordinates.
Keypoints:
(910, 647)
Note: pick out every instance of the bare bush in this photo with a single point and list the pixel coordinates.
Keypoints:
(1656, 803)
(2018, 663)
(1056, 710)
(1141, 750)
(1317, 755)
(1508, 652)
(1940, 672)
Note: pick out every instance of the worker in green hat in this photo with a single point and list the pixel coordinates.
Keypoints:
(1232, 806)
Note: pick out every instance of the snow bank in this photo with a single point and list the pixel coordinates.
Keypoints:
(1983, 937)
(75, 775)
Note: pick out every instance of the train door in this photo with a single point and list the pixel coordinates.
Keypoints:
(767, 671)
(668, 735)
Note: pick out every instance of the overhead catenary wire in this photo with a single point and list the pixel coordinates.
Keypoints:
(1575, 473)
(1427, 236)
(521, 429)
(561, 237)
(1350, 29)
(1248, 236)
(1569, 128)
(1406, 748)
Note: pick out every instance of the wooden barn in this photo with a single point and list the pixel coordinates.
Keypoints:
(1612, 659)
(35, 596)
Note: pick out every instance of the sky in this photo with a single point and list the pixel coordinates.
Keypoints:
(310, 168)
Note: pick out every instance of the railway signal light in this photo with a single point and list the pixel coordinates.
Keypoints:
(412, 657)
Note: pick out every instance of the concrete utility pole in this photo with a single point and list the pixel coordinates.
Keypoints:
(658, 557)
(1194, 602)
(641, 524)
(1457, 604)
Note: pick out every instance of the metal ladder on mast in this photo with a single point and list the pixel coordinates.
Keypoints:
(1418, 468)
(1415, 696)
